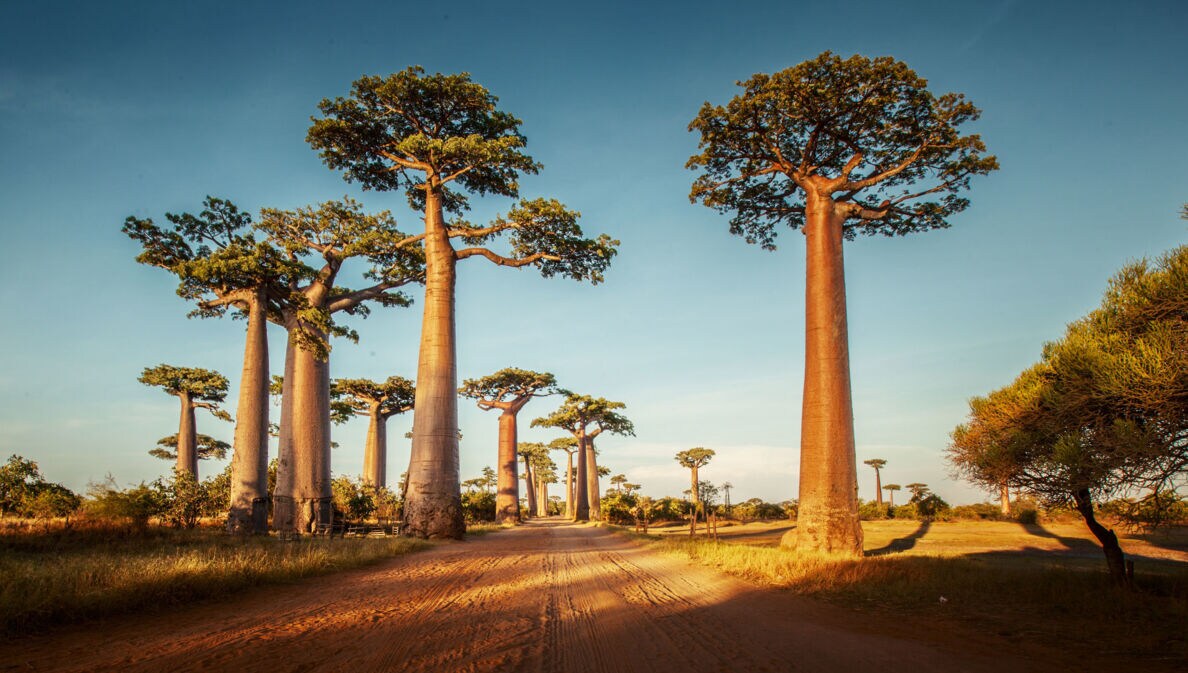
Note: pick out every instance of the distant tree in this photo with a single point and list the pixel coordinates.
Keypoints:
(877, 464)
(570, 446)
(531, 453)
(726, 486)
(19, 479)
(617, 481)
(50, 500)
(508, 390)
(891, 489)
(585, 418)
(919, 491)
(378, 402)
(207, 447)
(490, 479)
(694, 459)
(196, 389)
(436, 137)
(835, 148)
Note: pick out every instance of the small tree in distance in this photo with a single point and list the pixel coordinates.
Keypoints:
(195, 388)
(877, 464)
(378, 402)
(207, 447)
(835, 148)
(694, 459)
(891, 489)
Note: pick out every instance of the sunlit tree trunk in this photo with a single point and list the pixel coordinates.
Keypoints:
(827, 520)
(187, 438)
(310, 439)
(1115, 560)
(569, 485)
(592, 481)
(248, 512)
(529, 488)
(433, 507)
(507, 497)
(375, 454)
(542, 500)
(581, 502)
(283, 514)
(878, 488)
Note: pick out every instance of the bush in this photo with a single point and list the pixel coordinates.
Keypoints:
(982, 511)
(755, 509)
(1150, 512)
(137, 504)
(478, 506)
(617, 508)
(1028, 516)
(51, 500)
(872, 511)
(352, 500)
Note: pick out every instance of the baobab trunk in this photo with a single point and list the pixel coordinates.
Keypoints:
(433, 506)
(248, 511)
(529, 488)
(542, 500)
(187, 438)
(507, 495)
(592, 481)
(375, 455)
(569, 485)
(282, 497)
(827, 519)
(310, 440)
(1004, 499)
(878, 488)
(694, 490)
(581, 502)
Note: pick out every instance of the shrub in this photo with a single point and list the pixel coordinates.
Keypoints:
(982, 511)
(872, 511)
(352, 499)
(616, 508)
(478, 506)
(755, 508)
(136, 504)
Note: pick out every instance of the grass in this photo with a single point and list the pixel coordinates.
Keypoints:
(991, 578)
(59, 576)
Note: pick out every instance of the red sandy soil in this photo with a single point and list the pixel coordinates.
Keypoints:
(547, 596)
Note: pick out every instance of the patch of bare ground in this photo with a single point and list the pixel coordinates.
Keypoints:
(548, 596)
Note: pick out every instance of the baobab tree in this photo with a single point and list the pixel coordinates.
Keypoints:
(585, 418)
(617, 481)
(835, 148)
(324, 238)
(878, 464)
(508, 390)
(570, 446)
(378, 402)
(531, 453)
(726, 486)
(437, 137)
(195, 388)
(206, 447)
(891, 489)
(919, 490)
(223, 267)
(694, 459)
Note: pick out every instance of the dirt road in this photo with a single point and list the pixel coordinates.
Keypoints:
(547, 596)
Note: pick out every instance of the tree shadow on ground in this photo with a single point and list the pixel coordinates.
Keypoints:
(901, 544)
(1073, 544)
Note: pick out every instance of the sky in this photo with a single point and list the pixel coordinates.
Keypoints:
(141, 108)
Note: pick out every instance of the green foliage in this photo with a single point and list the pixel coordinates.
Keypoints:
(184, 500)
(19, 479)
(201, 385)
(867, 131)
(982, 511)
(208, 448)
(509, 387)
(394, 396)
(756, 509)
(50, 500)
(694, 458)
(136, 504)
(1162, 508)
(871, 510)
(352, 498)
(479, 506)
(618, 508)
(578, 412)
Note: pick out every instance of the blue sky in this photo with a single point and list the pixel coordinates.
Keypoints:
(114, 109)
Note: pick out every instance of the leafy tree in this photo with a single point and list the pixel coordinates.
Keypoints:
(570, 446)
(49, 500)
(490, 479)
(19, 478)
(137, 504)
(835, 148)
(437, 137)
(585, 418)
(617, 481)
(222, 267)
(891, 489)
(378, 402)
(508, 390)
(877, 464)
(207, 447)
(323, 238)
(196, 389)
(919, 491)
(694, 459)
(1104, 411)
(355, 499)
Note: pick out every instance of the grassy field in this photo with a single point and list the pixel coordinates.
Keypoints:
(1044, 583)
(57, 576)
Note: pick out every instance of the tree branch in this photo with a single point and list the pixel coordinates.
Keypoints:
(506, 261)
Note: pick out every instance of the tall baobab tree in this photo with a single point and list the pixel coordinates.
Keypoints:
(378, 402)
(508, 390)
(694, 459)
(531, 453)
(835, 148)
(195, 388)
(585, 418)
(223, 267)
(877, 464)
(570, 446)
(891, 489)
(324, 238)
(437, 137)
(726, 486)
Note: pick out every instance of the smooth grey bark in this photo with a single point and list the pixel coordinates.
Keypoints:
(187, 437)
(592, 491)
(581, 500)
(375, 455)
(507, 494)
(248, 510)
(283, 514)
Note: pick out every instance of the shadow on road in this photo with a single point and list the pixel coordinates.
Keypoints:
(901, 544)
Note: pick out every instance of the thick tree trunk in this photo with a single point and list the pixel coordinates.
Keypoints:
(375, 454)
(187, 438)
(542, 500)
(529, 488)
(592, 481)
(827, 520)
(581, 501)
(507, 495)
(569, 485)
(248, 511)
(1115, 560)
(1004, 499)
(693, 490)
(310, 440)
(282, 497)
(878, 488)
(433, 506)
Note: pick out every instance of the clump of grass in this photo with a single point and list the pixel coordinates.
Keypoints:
(1016, 600)
(57, 579)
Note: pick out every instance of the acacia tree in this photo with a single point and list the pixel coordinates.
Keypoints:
(835, 148)
(223, 267)
(323, 238)
(378, 402)
(694, 459)
(438, 137)
(586, 417)
(878, 464)
(195, 388)
(891, 489)
(570, 446)
(508, 390)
